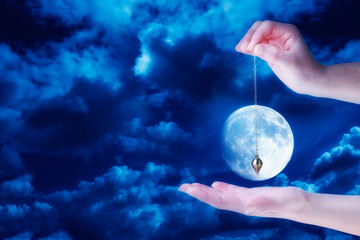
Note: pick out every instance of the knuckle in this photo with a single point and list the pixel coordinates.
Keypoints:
(272, 54)
(293, 29)
(268, 23)
(221, 202)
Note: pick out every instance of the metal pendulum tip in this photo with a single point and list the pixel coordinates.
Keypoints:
(257, 164)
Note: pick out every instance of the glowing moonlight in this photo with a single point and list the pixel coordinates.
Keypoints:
(276, 142)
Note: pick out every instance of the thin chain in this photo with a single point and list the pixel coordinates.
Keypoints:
(256, 117)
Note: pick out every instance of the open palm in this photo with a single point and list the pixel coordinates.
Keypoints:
(280, 202)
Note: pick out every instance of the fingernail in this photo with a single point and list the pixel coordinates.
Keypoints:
(182, 188)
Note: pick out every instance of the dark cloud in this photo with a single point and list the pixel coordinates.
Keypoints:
(25, 219)
(326, 29)
(11, 163)
(27, 30)
(140, 90)
(60, 235)
(74, 121)
(162, 138)
(8, 90)
(337, 171)
(122, 202)
(202, 73)
(23, 236)
(18, 187)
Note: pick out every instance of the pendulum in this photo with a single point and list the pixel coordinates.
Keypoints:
(257, 141)
(245, 136)
(256, 163)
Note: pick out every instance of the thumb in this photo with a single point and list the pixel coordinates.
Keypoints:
(268, 52)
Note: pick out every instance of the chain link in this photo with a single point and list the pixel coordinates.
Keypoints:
(255, 103)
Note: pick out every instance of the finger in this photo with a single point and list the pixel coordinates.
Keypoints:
(184, 186)
(266, 31)
(267, 52)
(228, 187)
(242, 46)
(207, 195)
(206, 188)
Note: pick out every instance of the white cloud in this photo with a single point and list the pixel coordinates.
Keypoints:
(143, 62)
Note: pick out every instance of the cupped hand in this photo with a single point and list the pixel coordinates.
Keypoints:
(279, 202)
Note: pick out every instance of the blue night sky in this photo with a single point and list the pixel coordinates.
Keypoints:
(106, 107)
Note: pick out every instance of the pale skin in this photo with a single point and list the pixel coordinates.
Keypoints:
(283, 47)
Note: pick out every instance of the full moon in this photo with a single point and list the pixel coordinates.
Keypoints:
(275, 142)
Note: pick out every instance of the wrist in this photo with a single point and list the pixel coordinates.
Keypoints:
(317, 80)
(299, 206)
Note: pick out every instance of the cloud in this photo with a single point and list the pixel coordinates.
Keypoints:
(344, 54)
(163, 132)
(282, 180)
(26, 218)
(167, 141)
(285, 11)
(192, 72)
(8, 91)
(336, 171)
(334, 235)
(50, 70)
(57, 79)
(9, 122)
(7, 56)
(347, 53)
(15, 211)
(149, 68)
(245, 235)
(20, 186)
(60, 235)
(110, 13)
(168, 131)
(137, 202)
(149, 83)
(21, 236)
(72, 122)
(57, 236)
(211, 17)
(11, 163)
